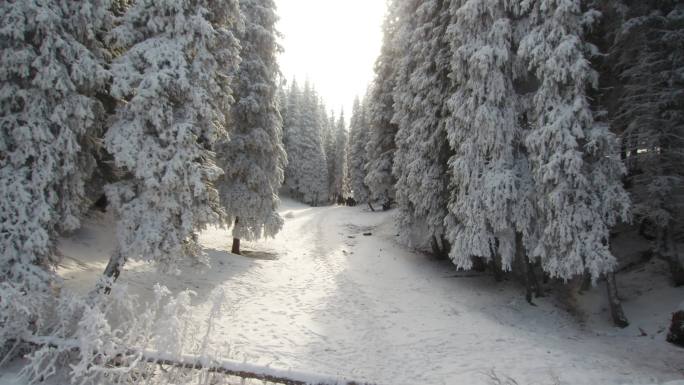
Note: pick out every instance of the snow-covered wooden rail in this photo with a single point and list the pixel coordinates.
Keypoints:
(193, 362)
(247, 370)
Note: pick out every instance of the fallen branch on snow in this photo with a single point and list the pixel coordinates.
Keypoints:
(226, 367)
(246, 370)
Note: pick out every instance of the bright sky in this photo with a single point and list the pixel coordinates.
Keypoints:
(333, 43)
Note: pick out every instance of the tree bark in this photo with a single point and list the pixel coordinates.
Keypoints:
(440, 251)
(236, 246)
(676, 270)
(112, 271)
(530, 279)
(676, 333)
(496, 268)
(236, 241)
(619, 318)
(672, 257)
(479, 264)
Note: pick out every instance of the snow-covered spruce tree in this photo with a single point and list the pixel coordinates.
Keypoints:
(253, 159)
(329, 146)
(292, 139)
(381, 146)
(574, 159)
(490, 208)
(358, 138)
(173, 80)
(306, 175)
(314, 173)
(340, 185)
(51, 70)
(647, 58)
(420, 96)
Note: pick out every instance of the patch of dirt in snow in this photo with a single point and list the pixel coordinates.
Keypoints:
(260, 254)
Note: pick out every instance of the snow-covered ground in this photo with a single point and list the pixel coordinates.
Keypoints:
(323, 298)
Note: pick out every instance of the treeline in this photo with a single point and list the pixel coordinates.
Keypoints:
(520, 134)
(165, 112)
(317, 147)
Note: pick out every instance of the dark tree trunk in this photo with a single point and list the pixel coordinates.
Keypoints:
(586, 282)
(440, 251)
(619, 318)
(668, 251)
(531, 283)
(676, 333)
(236, 246)
(112, 271)
(236, 241)
(496, 268)
(371, 206)
(479, 264)
(677, 270)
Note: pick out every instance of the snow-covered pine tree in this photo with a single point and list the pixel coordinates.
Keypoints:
(174, 79)
(52, 67)
(575, 162)
(380, 148)
(282, 101)
(647, 59)
(421, 93)
(314, 173)
(490, 208)
(292, 139)
(340, 185)
(329, 145)
(358, 138)
(306, 176)
(253, 158)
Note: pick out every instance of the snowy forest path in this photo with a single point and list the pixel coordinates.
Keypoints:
(324, 298)
(341, 303)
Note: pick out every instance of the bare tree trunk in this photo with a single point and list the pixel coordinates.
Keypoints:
(479, 264)
(619, 318)
(112, 271)
(236, 241)
(672, 257)
(677, 270)
(440, 251)
(586, 283)
(676, 333)
(538, 292)
(531, 284)
(496, 268)
(236, 246)
(371, 205)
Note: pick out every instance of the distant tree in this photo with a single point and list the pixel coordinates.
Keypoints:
(316, 173)
(306, 175)
(358, 138)
(329, 145)
(292, 133)
(340, 185)
(253, 158)
(380, 148)
(173, 75)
